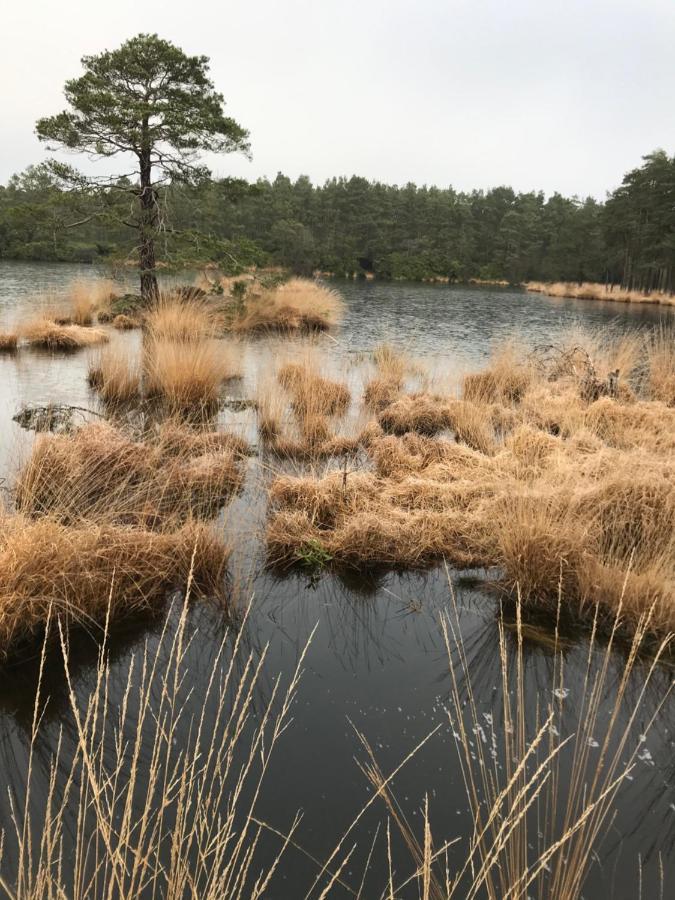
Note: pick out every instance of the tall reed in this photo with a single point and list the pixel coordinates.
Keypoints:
(159, 796)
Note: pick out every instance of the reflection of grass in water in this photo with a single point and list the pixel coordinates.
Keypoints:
(163, 788)
(158, 806)
(541, 801)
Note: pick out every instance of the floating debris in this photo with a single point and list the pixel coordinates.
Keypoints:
(54, 417)
(238, 404)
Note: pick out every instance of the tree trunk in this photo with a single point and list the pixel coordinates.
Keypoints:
(148, 226)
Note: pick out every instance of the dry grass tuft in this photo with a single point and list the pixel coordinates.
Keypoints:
(297, 305)
(416, 412)
(81, 573)
(187, 375)
(298, 422)
(124, 323)
(46, 334)
(504, 381)
(116, 374)
(8, 342)
(661, 364)
(100, 475)
(175, 319)
(311, 393)
(381, 390)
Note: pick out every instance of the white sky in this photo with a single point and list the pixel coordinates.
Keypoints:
(538, 94)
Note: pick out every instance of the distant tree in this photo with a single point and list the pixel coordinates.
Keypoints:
(150, 101)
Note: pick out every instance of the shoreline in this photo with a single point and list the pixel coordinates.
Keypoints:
(594, 291)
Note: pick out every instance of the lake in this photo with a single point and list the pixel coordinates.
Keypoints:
(377, 662)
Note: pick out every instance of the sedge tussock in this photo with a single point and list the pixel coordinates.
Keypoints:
(124, 323)
(187, 375)
(46, 334)
(173, 318)
(505, 380)
(176, 439)
(116, 375)
(300, 425)
(80, 574)
(298, 305)
(416, 412)
(99, 474)
(311, 393)
(649, 424)
(392, 366)
(8, 342)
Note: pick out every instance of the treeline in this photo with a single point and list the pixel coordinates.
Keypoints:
(350, 226)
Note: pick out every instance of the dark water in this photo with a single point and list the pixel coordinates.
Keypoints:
(377, 662)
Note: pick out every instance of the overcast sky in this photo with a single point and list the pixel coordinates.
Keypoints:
(475, 93)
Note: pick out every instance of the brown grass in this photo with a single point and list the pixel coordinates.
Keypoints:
(311, 393)
(124, 323)
(505, 380)
(392, 366)
(661, 363)
(175, 319)
(297, 305)
(116, 374)
(8, 342)
(101, 475)
(593, 291)
(187, 375)
(47, 335)
(533, 477)
(81, 301)
(80, 574)
(298, 422)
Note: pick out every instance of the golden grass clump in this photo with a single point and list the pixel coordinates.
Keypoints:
(311, 393)
(8, 342)
(79, 574)
(124, 323)
(300, 425)
(116, 374)
(648, 424)
(416, 412)
(175, 439)
(299, 304)
(187, 375)
(46, 334)
(101, 475)
(505, 380)
(82, 300)
(173, 318)
(381, 390)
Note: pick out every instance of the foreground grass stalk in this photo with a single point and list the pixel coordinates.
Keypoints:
(158, 814)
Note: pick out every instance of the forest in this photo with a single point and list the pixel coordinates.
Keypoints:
(351, 226)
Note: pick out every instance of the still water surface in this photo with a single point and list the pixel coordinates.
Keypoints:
(377, 662)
